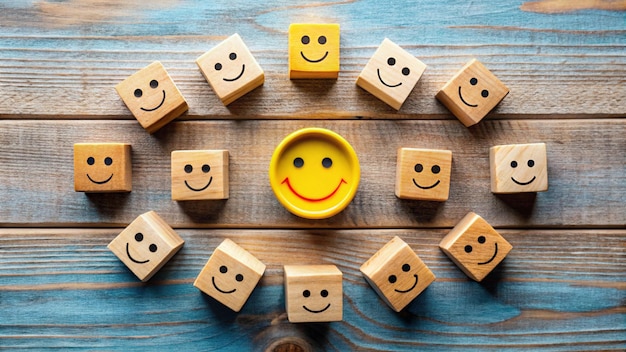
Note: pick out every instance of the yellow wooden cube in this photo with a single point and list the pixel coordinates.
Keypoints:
(102, 167)
(152, 97)
(230, 69)
(475, 246)
(391, 74)
(472, 93)
(313, 293)
(517, 168)
(423, 174)
(230, 275)
(200, 174)
(313, 50)
(146, 245)
(397, 274)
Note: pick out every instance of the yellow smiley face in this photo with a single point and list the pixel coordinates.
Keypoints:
(314, 173)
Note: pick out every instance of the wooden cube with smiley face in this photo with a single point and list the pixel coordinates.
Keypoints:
(472, 93)
(423, 174)
(313, 293)
(230, 275)
(475, 246)
(518, 168)
(397, 274)
(391, 74)
(102, 167)
(230, 69)
(146, 245)
(200, 174)
(152, 97)
(313, 51)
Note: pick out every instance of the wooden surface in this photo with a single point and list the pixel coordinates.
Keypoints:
(562, 287)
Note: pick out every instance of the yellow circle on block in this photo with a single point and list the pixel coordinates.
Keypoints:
(314, 173)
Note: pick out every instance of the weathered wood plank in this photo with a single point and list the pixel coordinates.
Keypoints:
(586, 170)
(557, 290)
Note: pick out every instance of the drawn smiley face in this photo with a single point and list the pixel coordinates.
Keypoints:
(139, 237)
(102, 167)
(224, 270)
(199, 174)
(313, 50)
(517, 168)
(323, 294)
(107, 162)
(483, 93)
(314, 173)
(423, 174)
(391, 61)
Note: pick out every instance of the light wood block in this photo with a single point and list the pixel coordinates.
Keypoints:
(200, 174)
(230, 69)
(397, 274)
(423, 174)
(151, 95)
(472, 93)
(146, 245)
(391, 74)
(313, 51)
(475, 246)
(230, 275)
(102, 167)
(313, 293)
(518, 168)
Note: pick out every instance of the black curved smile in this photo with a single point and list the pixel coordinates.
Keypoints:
(463, 100)
(524, 183)
(217, 288)
(492, 258)
(133, 259)
(243, 68)
(199, 189)
(426, 187)
(316, 311)
(158, 106)
(314, 61)
(99, 182)
(383, 82)
(412, 287)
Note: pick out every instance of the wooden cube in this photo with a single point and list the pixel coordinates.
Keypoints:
(230, 275)
(517, 168)
(102, 167)
(475, 246)
(397, 274)
(152, 97)
(423, 174)
(313, 293)
(230, 69)
(472, 93)
(313, 51)
(391, 74)
(146, 245)
(199, 174)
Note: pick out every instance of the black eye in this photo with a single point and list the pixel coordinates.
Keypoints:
(473, 81)
(468, 249)
(514, 164)
(298, 162)
(91, 160)
(391, 61)
(531, 163)
(321, 40)
(232, 56)
(154, 83)
(218, 66)
(392, 279)
(206, 168)
(188, 168)
(306, 293)
(223, 269)
(153, 248)
(327, 162)
(484, 93)
(419, 167)
(239, 277)
(435, 169)
(139, 237)
(481, 239)
(406, 267)
(305, 39)
(108, 161)
(138, 93)
(406, 71)
(324, 293)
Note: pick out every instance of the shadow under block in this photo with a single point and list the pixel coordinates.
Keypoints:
(518, 168)
(146, 245)
(313, 51)
(472, 93)
(423, 174)
(102, 167)
(152, 97)
(391, 74)
(230, 275)
(200, 174)
(397, 274)
(313, 293)
(230, 69)
(475, 247)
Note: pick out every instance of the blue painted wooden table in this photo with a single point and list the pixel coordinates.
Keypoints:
(562, 288)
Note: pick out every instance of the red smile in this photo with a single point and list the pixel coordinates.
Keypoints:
(286, 180)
